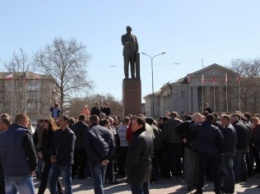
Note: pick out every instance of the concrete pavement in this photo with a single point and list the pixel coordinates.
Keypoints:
(162, 186)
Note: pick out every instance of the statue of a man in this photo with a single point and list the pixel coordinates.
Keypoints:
(130, 44)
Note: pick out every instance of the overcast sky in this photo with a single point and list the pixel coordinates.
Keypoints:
(187, 30)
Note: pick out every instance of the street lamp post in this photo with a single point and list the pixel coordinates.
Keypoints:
(152, 57)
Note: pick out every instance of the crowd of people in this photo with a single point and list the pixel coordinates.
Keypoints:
(223, 148)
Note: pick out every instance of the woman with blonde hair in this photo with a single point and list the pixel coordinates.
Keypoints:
(44, 153)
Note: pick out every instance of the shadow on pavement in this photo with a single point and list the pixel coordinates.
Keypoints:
(162, 186)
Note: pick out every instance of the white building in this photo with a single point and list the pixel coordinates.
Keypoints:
(189, 94)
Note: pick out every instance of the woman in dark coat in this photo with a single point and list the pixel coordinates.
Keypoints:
(138, 164)
(44, 153)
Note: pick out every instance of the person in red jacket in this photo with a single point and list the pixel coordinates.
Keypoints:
(86, 111)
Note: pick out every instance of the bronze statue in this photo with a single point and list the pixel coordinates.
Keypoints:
(130, 44)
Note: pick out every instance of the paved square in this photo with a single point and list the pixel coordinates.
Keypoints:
(162, 186)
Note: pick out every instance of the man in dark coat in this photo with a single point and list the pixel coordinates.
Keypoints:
(163, 160)
(209, 140)
(240, 165)
(138, 165)
(106, 109)
(100, 146)
(80, 155)
(62, 149)
(157, 144)
(190, 153)
(174, 144)
(228, 153)
(95, 110)
(5, 122)
(207, 109)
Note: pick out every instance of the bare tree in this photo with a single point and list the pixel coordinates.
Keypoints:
(18, 63)
(66, 62)
(250, 68)
(248, 84)
(18, 66)
(116, 106)
(77, 104)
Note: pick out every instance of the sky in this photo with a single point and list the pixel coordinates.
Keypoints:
(187, 30)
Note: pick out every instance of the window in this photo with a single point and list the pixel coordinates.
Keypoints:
(31, 105)
(33, 83)
(9, 85)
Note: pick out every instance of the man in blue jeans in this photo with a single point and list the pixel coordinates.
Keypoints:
(62, 156)
(18, 157)
(100, 146)
(227, 154)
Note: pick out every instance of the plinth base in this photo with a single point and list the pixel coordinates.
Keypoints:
(132, 96)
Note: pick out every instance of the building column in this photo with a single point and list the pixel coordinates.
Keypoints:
(194, 99)
(207, 96)
(221, 99)
(169, 102)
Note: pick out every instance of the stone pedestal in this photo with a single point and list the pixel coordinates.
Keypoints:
(132, 96)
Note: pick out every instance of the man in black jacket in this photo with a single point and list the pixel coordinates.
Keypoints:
(100, 146)
(157, 144)
(174, 144)
(62, 149)
(95, 110)
(207, 109)
(106, 109)
(190, 153)
(209, 140)
(240, 165)
(138, 165)
(228, 153)
(80, 157)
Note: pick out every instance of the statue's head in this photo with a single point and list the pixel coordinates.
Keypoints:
(128, 29)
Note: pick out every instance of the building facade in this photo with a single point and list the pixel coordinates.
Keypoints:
(213, 84)
(28, 93)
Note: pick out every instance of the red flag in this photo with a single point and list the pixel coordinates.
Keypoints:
(214, 78)
(202, 78)
(238, 78)
(10, 76)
